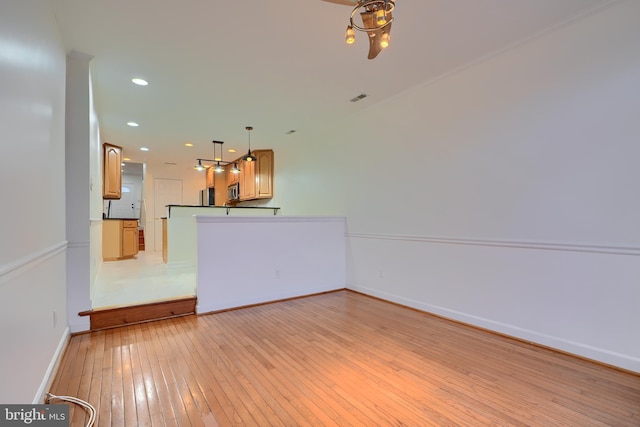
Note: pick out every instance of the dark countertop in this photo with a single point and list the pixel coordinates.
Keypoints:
(228, 208)
(121, 219)
(222, 207)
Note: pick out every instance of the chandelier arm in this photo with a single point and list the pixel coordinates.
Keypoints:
(389, 5)
(359, 28)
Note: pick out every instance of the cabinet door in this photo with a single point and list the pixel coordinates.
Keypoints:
(129, 241)
(248, 184)
(210, 178)
(111, 240)
(263, 178)
(232, 178)
(112, 171)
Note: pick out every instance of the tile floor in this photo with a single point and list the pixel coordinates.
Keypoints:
(144, 278)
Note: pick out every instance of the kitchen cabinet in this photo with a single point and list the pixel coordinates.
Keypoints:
(255, 178)
(248, 180)
(263, 174)
(111, 171)
(165, 241)
(232, 178)
(210, 179)
(119, 239)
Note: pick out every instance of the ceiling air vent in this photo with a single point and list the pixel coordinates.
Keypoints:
(359, 97)
(170, 164)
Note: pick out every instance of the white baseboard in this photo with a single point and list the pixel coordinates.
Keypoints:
(49, 375)
(579, 349)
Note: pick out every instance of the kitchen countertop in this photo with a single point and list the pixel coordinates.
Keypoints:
(120, 219)
(228, 208)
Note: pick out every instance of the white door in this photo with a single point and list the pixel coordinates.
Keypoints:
(165, 192)
(128, 206)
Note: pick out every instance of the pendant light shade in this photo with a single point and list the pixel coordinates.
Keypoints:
(199, 166)
(249, 157)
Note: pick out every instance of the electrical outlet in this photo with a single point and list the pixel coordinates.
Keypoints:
(55, 318)
(381, 274)
(277, 274)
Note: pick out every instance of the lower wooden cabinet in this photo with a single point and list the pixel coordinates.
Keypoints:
(165, 241)
(119, 239)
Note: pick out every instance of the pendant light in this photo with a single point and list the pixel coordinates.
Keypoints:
(249, 157)
(199, 166)
(218, 167)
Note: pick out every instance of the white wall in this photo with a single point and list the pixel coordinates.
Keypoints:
(33, 244)
(83, 255)
(513, 204)
(249, 260)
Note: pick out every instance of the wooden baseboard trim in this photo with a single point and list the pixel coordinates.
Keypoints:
(113, 317)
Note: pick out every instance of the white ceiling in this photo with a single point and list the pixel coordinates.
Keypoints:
(215, 67)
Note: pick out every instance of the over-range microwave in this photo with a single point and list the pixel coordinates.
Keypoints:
(233, 191)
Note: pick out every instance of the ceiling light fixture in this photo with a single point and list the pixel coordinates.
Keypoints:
(133, 124)
(218, 168)
(199, 167)
(217, 163)
(139, 81)
(377, 16)
(249, 157)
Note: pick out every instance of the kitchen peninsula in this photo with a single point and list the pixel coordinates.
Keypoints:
(180, 240)
(244, 260)
(252, 255)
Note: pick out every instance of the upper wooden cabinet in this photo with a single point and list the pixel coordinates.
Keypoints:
(248, 179)
(264, 174)
(112, 171)
(232, 178)
(210, 177)
(255, 178)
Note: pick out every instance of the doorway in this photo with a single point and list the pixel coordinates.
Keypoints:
(145, 278)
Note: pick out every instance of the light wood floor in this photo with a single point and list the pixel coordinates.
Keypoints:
(335, 359)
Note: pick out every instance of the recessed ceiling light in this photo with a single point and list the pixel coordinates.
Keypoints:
(126, 159)
(188, 144)
(144, 149)
(231, 150)
(217, 159)
(140, 82)
(133, 124)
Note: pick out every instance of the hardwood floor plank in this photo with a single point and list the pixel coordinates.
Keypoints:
(336, 359)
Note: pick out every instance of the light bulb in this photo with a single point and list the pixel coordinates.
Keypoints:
(381, 17)
(384, 40)
(350, 35)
